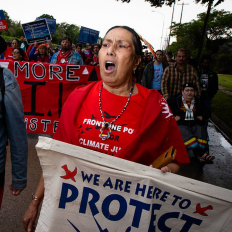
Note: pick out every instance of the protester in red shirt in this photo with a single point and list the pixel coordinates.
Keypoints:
(169, 58)
(116, 116)
(7, 55)
(40, 54)
(93, 59)
(79, 51)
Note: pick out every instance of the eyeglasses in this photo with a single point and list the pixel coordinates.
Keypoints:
(15, 53)
(14, 43)
(189, 90)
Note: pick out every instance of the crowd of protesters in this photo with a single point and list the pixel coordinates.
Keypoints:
(187, 87)
(166, 72)
(66, 53)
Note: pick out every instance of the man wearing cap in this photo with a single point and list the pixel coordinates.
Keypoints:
(178, 74)
(66, 55)
(12, 127)
(190, 115)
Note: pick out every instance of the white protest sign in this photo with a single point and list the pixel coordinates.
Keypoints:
(87, 191)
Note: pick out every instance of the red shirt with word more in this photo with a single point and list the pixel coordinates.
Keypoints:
(89, 120)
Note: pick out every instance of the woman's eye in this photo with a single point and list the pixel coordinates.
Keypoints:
(105, 45)
(122, 46)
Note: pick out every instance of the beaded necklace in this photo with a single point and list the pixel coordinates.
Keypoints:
(106, 126)
(189, 111)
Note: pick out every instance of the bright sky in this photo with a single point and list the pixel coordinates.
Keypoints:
(102, 14)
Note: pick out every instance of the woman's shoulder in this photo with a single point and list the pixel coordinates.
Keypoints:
(143, 91)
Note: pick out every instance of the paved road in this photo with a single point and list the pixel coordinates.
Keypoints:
(13, 208)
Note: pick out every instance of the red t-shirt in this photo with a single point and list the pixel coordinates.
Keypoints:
(7, 55)
(155, 132)
(89, 120)
(95, 59)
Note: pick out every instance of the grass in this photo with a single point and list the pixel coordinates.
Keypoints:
(222, 105)
(225, 81)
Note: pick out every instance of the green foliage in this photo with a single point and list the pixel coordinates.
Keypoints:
(217, 42)
(222, 62)
(62, 29)
(225, 81)
(14, 28)
(222, 103)
(46, 16)
(65, 29)
(8, 38)
(160, 3)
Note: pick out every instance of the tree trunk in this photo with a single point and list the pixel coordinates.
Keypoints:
(204, 32)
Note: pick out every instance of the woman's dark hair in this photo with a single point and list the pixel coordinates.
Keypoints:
(67, 38)
(16, 40)
(79, 45)
(21, 52)
(135, 39)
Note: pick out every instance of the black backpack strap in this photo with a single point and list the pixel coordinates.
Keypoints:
(2, 87)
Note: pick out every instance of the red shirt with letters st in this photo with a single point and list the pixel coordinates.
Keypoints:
(89, 120)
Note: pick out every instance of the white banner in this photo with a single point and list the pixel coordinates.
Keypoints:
(87, 191)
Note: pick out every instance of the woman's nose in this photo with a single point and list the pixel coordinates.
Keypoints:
(111, 50)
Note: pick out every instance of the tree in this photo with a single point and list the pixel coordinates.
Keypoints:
(46, 16)
(63, 29)
(14, 27)
(218, 35)
(160, 3)
(8, 20)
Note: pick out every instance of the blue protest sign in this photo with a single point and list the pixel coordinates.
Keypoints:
(88, 35)
(2, 16)
(51, 24)
(36, 31)
(3, 23)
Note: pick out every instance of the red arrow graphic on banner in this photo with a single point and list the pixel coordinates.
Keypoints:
(69, 174)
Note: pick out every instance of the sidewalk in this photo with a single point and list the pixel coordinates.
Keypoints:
(222, 89)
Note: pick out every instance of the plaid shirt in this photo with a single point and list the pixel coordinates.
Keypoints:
(174, 79)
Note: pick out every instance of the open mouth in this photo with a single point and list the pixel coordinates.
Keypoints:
(110, 66)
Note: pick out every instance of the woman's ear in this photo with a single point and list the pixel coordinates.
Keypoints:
(137, 61)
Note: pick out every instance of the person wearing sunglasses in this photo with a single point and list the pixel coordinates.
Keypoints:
(7, 54)
(18, 54)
